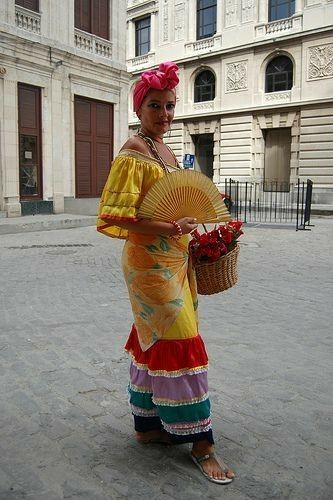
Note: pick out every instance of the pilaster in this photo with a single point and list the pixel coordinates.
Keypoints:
(57, 153)
(9, 157)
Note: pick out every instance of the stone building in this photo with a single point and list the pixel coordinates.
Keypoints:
(255, 100)
(63, 102)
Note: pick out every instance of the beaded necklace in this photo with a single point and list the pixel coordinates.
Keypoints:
(152, 146)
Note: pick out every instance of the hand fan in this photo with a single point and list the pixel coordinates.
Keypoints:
(185, 193)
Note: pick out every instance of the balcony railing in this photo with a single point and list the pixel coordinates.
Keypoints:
(139, 62)
(92, 44)
(27, 20)
(204, 45)
(280, 27)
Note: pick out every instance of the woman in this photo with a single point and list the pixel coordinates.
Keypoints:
(168, 374)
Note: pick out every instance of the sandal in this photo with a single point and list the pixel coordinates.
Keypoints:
(202, 458)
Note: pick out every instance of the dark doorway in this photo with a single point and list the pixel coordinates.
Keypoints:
(30, 143)
(93, 146)
(204, 157)
(277, 159)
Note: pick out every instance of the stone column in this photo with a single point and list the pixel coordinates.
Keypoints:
(130, 39)
(298, 6)
(57, 152)
(153, 32)
(219, 17)
(192, 22)
(9, 156)
(263, 11)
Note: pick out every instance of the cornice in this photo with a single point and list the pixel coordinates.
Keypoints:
(89, 81)
(145, 4)
(142, 9)
(295, 106)
(283, 40)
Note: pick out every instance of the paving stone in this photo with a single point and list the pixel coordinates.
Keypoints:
(25, 477)
(24, 402)
(62, 360)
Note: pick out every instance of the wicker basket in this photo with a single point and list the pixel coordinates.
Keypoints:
(215, 277)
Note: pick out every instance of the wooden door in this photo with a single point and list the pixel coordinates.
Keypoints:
(93, 146)
(30, 142)
(277, 159)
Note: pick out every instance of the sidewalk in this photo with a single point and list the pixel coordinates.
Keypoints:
(66, 428)
(32, 223)
(50, 222)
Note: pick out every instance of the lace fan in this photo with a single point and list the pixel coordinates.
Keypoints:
(185, 193)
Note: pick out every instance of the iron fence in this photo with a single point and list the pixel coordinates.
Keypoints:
(270, 202)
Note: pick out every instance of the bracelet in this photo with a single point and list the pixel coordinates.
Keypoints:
(178, 229)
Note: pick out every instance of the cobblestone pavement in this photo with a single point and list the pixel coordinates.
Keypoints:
(66, 430)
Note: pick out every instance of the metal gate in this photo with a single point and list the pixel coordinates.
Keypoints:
(270, 202)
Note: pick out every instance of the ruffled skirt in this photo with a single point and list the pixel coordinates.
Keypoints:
(168, 388)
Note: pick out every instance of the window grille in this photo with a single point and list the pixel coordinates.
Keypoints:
(204, 87)
(279, 74)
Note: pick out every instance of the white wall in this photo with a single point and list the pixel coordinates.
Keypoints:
(41, 49)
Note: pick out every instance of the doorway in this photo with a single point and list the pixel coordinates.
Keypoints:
(30, 143)
(93, 146)
(204, 157)
(277, 159)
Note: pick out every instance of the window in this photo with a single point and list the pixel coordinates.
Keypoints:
(29, 4)
(279, 74)
(93, 16)
(142, 36)
(280, 9)
(204, 87)
(206, 18)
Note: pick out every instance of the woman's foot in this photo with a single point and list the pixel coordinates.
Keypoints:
(211, 466)
(150, 437)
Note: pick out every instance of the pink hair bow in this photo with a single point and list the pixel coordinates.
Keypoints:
(165, 77)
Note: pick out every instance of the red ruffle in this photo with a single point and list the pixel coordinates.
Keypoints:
(169, 355)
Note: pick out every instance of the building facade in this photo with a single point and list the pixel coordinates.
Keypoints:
(63, 102)
(255, 100)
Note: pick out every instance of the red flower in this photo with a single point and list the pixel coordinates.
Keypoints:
(209, 246)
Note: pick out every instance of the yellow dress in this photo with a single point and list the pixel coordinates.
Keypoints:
(168, 385)
(161, 284)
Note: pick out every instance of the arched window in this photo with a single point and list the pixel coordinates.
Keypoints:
(280, 9)
(204, 86)
(279, 74)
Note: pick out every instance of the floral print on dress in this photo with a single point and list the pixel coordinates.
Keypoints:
(155, 270)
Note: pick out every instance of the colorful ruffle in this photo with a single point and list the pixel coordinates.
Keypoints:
(169, 358)
(169, 380)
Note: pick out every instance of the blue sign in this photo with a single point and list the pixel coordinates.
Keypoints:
(188, 161)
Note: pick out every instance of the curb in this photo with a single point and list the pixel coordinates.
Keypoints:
(48, 224)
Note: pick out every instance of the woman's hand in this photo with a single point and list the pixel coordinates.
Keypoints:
(187, 224)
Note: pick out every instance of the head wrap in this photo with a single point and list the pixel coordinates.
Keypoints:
(164, 77)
